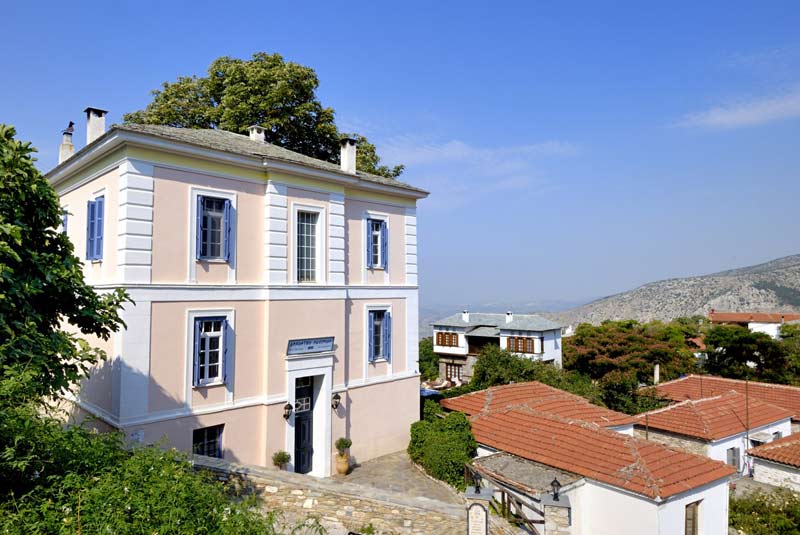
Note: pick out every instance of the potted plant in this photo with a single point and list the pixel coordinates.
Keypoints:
(281, 459)
(343, 459)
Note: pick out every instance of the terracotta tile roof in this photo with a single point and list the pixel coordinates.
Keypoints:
(785, 450)
(713, 418)
(747, 317)
(537, 396)
(704, 386)
(699, 343)
(640, 466)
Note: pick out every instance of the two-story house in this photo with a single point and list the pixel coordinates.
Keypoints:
(276, 301)
(458, 340)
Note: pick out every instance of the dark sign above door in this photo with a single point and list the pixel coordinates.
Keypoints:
(310, 345)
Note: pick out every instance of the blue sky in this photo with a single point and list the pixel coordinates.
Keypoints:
(572, 150)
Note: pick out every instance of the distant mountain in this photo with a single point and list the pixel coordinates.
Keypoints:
(770, 287)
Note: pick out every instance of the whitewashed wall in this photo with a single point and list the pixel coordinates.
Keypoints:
(719, 450)
(772, 329)
(461, 349)
(713, 512)
(776, 474)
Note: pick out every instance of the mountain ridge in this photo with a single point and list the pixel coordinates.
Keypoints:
(771, 286)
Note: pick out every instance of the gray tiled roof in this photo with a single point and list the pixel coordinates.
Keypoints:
(521, 322)
(244, 146)
(484, 331)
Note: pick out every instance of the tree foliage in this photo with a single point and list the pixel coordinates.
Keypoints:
(42, 286)
(428, 360)
(265, 91)
(631, 348)
(731, 348)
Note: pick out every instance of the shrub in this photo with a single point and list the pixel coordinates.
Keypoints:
(342, 444)
(280, 458)
(773, 513)
(442, 446)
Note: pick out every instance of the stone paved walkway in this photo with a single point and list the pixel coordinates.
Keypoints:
(743, 486)
(395, 472)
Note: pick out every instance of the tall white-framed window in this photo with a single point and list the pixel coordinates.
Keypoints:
(213, 233)
(309, 244)
(212, 224)
(95, 224)
(210, 350)
(379, 334)
(377, 241)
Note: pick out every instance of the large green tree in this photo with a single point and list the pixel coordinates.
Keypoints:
(266, 91)
(731, 348)
(630, 347)
(41, 286)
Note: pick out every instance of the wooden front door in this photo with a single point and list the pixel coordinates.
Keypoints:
(303, 424)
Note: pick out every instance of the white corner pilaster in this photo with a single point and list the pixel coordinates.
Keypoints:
(411, 246)
(135, 222)
(336, 240)
(276, 227)
(412, 331)
(133, 360)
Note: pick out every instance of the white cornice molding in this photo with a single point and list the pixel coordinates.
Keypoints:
(115, 138)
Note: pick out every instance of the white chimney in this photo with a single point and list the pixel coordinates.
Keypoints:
(509, 316)
(348, 157)
(465, 316)
(656, 373)
(257, 133)
(66, 149)
(95, 123)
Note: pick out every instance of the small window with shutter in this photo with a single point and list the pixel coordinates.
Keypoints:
(94, 228)
(213, 233)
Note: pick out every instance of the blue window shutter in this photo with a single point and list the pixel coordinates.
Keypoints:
(384, 245)
(196, 352)
(370, 265)
(371, 338)
(227, 230)
(199, 230)
(90, 206)
(98, 226)
(225, 349)
(387, 335)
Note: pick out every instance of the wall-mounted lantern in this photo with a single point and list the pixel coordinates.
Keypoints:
(556, 488)
(335, 401)
(287, 411)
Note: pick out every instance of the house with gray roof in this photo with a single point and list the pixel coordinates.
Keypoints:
(459, 339)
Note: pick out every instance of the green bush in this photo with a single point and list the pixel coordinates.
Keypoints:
(342, 444)
(442, 446)
(773, 513)
(280, 458)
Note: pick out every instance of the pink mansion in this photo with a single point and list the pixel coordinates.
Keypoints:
(276, 300)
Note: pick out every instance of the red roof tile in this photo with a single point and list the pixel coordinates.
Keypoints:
(785, 450)
(705, 386)
(747, 317)
(537, 396)
(713, 418)
(640, 466)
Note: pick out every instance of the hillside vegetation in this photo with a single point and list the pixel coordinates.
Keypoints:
(769, 287)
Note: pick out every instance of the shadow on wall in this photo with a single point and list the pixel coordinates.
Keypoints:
(100, 402)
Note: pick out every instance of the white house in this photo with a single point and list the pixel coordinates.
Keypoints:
(563, 475)
(458, 339)
(721, 427)
(761, 322)
(778, 463)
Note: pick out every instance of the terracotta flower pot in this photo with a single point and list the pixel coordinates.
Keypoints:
(342, 464)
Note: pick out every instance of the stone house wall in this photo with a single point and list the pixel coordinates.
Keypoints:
(776, 474)
(690, 445)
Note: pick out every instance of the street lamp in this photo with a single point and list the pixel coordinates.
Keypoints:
(287, 411)
(556, 488)
(335, 401)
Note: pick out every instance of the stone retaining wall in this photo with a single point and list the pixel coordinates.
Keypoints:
(341, 506)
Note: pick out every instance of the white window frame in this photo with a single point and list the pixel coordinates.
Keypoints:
(230, 316)
(321, 252)
(223, 239)
(219, 378)
(367, 234)
(96, 195)
(387, 307)
(231, 196)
